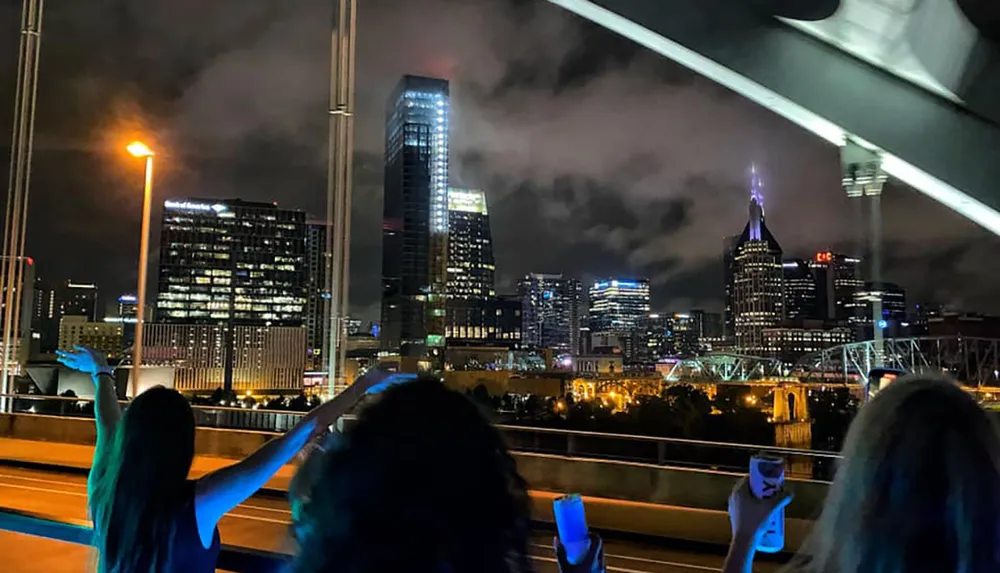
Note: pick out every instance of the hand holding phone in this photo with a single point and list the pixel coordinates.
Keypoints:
(767, 478)
(571, 523)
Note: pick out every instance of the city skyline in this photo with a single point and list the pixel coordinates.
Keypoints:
(652, 196)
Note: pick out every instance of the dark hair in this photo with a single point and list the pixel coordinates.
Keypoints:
(422, 483)
(139, 480)
(918, 489)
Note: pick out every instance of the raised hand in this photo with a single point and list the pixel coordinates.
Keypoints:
(86, 360)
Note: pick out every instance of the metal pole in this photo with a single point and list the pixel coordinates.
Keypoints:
(140, 311)
(875, 247)
(339, 179)
(18, 185)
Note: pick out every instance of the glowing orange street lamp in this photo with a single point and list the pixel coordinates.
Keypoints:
(140, 149)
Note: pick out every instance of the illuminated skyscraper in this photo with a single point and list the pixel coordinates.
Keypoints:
(415, 217)
(618, 305)
(838, 278)
(757, 278)
(236, 268)
(470, 269)
(552, 312)
(801, 293)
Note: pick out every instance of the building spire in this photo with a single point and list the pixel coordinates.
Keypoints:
(756, 205)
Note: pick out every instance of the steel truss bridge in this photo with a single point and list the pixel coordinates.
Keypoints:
(725, 367)
(972, 360)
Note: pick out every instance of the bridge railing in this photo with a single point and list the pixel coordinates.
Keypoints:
(236, 559)
(223, 417)
(665, 451)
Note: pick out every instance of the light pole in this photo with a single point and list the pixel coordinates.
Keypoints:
(140, 149)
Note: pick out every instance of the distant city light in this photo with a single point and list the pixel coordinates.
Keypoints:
(882, 324)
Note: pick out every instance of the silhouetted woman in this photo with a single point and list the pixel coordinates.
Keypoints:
(148, 516)
(918, 490)
(421, 483)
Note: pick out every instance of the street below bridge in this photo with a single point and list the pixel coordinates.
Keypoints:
(262, 523)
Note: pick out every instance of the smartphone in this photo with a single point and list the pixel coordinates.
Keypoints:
(767, 478)
(879, 378)
(571, 523)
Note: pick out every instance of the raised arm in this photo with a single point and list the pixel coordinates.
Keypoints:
(219, 492)
(107, 412)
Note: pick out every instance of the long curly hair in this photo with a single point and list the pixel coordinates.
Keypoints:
(422, 483)
(918, 489)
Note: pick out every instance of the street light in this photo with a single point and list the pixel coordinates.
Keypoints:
(140, 149)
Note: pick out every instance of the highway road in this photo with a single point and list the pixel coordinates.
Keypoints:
(262, 523)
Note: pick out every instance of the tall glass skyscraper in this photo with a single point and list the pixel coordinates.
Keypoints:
(757, 278)
(415, 217)
(552, 312)
(470, 269)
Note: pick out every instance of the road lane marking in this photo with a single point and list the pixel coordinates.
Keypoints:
(44, 490)
(644, 560)
(39, 480)
(255, 518)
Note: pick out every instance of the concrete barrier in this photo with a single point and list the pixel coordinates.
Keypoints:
(232, 444)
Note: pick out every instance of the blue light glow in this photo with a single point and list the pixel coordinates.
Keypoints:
(882, 324)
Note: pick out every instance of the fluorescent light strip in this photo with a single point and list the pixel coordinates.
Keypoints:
(904, 171)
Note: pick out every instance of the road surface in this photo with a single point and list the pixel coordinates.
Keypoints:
(262, 523)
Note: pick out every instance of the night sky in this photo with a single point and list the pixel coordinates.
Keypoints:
(597, 157)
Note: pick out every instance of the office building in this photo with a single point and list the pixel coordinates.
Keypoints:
(861, 308)
(263, 359)
(757, 278)
(791, 341)
(618, 305)
(238, 265)
(79, 299)
(506, 323)
(552, 312)
(317, 296)
(231, 261)
(45, 315)
(619, 309)
(801, 294)
(838, 278)
(470, 269)
(415, 217)
(672, 335)
(107, 337)
(125, 314)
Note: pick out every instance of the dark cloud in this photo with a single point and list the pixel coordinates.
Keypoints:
(597, 157)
